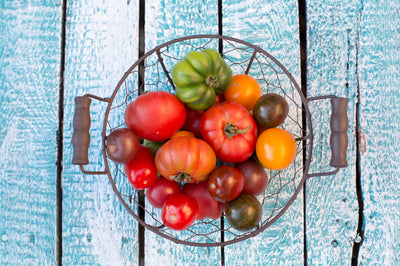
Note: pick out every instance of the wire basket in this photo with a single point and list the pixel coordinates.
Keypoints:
(152, 73)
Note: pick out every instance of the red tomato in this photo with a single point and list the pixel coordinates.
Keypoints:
(179, 212)
(208, 206)
(225, 183)
(155, 115)
(230, 130)
(161, 190)
(255, 177)
(192, 122)
(141, 171)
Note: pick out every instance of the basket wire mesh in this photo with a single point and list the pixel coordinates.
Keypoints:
(152, 73)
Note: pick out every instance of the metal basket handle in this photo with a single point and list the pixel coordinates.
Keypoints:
(81, 135)
(339, 123)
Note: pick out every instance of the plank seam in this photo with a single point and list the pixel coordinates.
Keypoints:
(60, 136)
(303, 76)
(141, 52)
(360, 226)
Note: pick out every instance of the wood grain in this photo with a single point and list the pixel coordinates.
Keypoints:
(101, 44)
(379, 83)
(331, 202)
(167, 20)
(273, 26)
(29, 76)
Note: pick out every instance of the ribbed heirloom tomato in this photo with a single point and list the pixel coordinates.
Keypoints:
(230, 130)
(185, 159)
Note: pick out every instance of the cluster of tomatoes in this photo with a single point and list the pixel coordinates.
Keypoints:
(206, 146)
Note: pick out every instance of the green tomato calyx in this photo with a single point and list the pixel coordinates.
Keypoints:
(212, 81)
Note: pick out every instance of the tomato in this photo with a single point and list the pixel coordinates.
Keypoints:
(192, 122)
(161, 190)
(199, 77)
(230, 130)
(245, 90)
(155, 115)
(208, 206)
(179, 211)
(270, 110)
(225, 183)
(122, 145)
(141, 171)
(183, 133)
(185, 159)
(276, 148)
(244, 213)
(255, 177)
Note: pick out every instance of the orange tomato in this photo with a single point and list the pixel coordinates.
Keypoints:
(276, 148)
(244, 90)
(183, 133)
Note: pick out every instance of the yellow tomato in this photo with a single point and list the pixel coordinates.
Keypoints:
(244, 90)
(276, 148)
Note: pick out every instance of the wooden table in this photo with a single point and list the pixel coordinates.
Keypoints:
(53, 51)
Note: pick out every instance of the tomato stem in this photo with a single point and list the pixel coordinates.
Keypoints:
(212, 81)
(232, 130)
(183, 177)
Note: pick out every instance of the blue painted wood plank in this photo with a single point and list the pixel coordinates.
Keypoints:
(29, 78)
(331, 201)
(101, 44)
(165, 21)
(379, 83)
(273, 26)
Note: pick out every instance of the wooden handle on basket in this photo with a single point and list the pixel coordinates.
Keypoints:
(81, 135)
(339, 124)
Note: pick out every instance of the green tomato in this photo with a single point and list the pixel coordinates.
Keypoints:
(244, 213)
(199, 77)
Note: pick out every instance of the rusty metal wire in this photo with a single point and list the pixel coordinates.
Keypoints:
(242, 57)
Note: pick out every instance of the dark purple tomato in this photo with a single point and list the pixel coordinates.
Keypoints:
(225, 183)
(122, 145)
(161, 190)
(208, 206)
(244, 213)
(255, 177)
(270, 110)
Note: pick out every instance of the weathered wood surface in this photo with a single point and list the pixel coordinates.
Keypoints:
(352, 51)
(29, 77)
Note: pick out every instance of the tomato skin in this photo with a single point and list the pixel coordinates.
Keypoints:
(179, 212)
(183, 133)
(244, 213)
(199, 77)
(161, 190)
(208, 206)
(122, 145)
(141, 171)
(169, 111)
(192, 123)
(244, 89)
(221, 119)
(270, 110)
(276, 148)
(185, 159)
(225, 183)
(255, 177)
